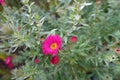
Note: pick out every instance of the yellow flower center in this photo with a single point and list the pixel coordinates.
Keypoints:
(53, 46)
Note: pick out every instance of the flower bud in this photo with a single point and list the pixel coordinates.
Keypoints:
(55, 60)
(74, 39)
(7, 29)
(25, 1)
(37, 60)
(117, 50)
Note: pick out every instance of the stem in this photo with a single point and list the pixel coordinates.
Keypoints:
(74, 74)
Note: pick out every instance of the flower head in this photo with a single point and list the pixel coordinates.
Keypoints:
(52, 44)
(74, 39)
(2, 2)
(55, 60)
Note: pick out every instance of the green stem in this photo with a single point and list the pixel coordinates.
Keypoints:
(74, 74)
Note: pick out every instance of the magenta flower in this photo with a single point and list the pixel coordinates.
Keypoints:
(52, 45)
(55, 60)
(74, 39)
(2, 2)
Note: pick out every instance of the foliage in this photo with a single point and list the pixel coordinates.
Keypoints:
(96, 26)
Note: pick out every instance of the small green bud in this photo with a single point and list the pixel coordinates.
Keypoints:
(25, 1)
(7, 29)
